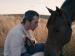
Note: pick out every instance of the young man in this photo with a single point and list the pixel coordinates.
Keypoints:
(19, 41)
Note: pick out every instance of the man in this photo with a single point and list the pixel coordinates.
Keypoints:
(19, 41)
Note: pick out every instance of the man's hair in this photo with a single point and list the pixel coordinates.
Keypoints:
(29, 16)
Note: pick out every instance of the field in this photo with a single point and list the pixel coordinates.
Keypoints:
(40, 33)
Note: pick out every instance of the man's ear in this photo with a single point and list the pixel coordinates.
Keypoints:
(50, 10)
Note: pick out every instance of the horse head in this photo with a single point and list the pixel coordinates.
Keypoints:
(59, 32)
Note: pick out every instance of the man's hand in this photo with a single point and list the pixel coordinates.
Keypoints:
(29, 43)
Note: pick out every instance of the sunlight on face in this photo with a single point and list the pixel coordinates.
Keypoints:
(34, 22)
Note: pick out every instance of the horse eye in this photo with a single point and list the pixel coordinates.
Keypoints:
(57, 31)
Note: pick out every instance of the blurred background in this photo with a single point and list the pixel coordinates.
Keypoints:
(11, 13)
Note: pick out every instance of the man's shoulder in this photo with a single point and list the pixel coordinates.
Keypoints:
(17, 29)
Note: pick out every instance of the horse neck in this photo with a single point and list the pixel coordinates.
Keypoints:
(67, 15)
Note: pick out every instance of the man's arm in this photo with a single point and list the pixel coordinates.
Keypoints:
(6, 48)
(14, 45)
(17, 43)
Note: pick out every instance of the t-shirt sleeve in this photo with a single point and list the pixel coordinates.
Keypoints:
(16, 44)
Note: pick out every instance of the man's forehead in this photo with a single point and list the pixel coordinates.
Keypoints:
(35, 17)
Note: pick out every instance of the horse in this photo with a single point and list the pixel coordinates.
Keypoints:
(59, 31)
(59, 26)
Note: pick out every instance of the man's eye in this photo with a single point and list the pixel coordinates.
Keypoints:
(57, 31)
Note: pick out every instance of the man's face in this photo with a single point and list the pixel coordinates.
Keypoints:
(34, 22)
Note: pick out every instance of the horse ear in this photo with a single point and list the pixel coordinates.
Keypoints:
(59, 11)
(49, 10)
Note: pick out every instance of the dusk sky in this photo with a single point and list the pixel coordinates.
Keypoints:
(20, 6)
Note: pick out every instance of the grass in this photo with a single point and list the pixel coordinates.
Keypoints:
(40, 33)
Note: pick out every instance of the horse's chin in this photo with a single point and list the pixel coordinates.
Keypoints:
(38, 54)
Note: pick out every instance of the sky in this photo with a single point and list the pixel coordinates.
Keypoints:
(21, 6)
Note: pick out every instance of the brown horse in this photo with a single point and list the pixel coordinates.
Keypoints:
(59, 31)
